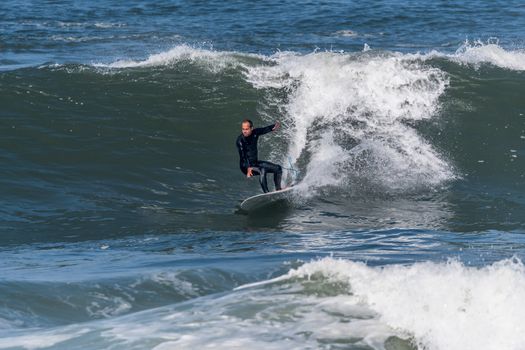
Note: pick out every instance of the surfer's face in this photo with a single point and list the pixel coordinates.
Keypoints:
(246, 129)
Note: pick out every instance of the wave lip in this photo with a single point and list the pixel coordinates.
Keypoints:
(477, 53)
(216, 61)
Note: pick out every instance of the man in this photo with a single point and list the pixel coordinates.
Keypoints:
(249, 163)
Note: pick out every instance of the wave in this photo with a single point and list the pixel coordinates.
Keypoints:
(362, 125)
(434, 305)
(334, 102)
(326, 303)
(350, 117)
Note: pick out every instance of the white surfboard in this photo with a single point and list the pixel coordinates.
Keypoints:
(264, 199)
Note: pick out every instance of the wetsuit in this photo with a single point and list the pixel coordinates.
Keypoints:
(247, 147)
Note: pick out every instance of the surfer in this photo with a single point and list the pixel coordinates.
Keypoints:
(249, 163)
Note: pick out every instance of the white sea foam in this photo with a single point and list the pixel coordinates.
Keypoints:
(106, 25)
(442, 306)
(476, 53)
(76, 39)
(337, 101)
(107, 306)
(213, 60)
(262, 319)
(173, 280)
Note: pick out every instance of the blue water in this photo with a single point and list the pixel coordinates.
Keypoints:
(119, 214)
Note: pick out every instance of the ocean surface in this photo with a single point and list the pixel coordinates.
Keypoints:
(120, 225)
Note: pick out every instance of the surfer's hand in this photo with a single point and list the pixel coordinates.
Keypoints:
(249, 172)
(276, 126)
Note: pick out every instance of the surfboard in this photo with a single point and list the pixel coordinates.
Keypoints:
(264, 199)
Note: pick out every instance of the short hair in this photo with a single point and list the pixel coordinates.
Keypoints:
(248, 121)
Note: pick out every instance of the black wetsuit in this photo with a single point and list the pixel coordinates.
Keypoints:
(247, 147)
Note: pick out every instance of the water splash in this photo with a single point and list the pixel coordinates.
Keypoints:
(353, 117)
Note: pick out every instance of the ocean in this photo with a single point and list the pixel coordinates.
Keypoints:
(403, 123)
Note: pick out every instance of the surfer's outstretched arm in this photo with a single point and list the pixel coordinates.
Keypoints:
(267, 129)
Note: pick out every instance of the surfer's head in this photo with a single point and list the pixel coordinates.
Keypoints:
(246, 127)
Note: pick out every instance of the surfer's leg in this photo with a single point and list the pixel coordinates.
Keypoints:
(262, 179)
(262, 176)
(275, 169)
(277, 179)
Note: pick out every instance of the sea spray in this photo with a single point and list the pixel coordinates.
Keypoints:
(337, 101)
